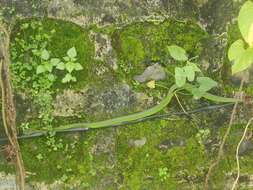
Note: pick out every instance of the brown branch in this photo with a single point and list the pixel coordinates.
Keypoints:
(8, 107)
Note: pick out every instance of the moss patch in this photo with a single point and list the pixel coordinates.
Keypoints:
(137, 45)
(65, 36)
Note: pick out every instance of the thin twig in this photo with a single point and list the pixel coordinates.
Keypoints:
(237, 154)
(220, 152)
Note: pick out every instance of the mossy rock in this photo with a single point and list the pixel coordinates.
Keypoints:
(63, 36)
(138, 45)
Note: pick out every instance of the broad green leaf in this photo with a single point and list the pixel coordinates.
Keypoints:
(194, 66)
(78, 67)
(177, 53)
(70, 66)
(60, 66)
(55, 61)
(40, 69)
(245, 20)
(73, 79)
(48, 67)
(250, 36)
(206, 83)
(236, 50)
(45, 55)
(189, 72)
(72, 52)
(180, 77)
(244, 62)
(197, 93)
(66, 58)
(67, 78)
(51, 77)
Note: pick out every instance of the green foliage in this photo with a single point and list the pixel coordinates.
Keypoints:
(188, 73)
(69, 65)
(177, 53)
(243, 58)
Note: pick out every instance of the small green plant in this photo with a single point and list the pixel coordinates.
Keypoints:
(163, 173)
(187, 74)
(69, 65)
(242, 56)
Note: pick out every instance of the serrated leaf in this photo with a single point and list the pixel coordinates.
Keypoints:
(48, 67)
(51, 77)
(67, 78)
(45, 55)
(180, 77)
(70, 66)
(177, 53)
(236, 50)
(66, 58)
(190, 73)
(206, 83)
(78, 67)
(60, 66)
(40, 69)
(72, 52)
(245, 19)
(243, 62)
(55, 61)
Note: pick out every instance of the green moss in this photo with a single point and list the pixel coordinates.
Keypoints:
(66, 35)
(140, 44)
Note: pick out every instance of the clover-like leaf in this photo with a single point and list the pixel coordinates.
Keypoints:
(177, 53)
(180, 76)
(236, 50)
(72, 52)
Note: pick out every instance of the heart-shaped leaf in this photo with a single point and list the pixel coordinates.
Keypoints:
(70, 66)
(72, 52)
(45, 55)
(205, 83)
(60, 66)
(48, 67)
(180, 77)
(55, 61)
(78, 67)
(40, 69)
(236, 50)
(177, 53)
(67, 78)
(243, 62)
(245, 21)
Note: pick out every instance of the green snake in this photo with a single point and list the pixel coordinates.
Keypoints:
(139, 115)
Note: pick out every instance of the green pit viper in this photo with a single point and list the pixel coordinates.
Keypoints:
(139, 115)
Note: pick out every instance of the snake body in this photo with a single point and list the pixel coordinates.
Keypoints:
(143, 114)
